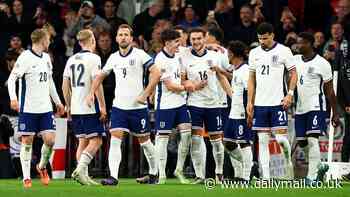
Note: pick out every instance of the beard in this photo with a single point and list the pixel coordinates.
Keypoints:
(124, 45)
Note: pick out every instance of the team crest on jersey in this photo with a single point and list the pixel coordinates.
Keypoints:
(132, 62)
(274, 59)
(22, 126)
(162, 124)
(162, 70)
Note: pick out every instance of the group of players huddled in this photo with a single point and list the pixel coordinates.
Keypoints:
(190, 88)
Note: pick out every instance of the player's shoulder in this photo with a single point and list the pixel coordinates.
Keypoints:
(321, 61)
(26, 54)
(282, 48)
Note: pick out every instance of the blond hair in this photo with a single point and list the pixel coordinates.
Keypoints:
(37, 35)
(84, 36)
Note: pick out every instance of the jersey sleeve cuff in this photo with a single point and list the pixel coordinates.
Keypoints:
(327, 80)
(291, 68)
(148, 63)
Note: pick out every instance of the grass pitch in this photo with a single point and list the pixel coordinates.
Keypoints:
(129, 188)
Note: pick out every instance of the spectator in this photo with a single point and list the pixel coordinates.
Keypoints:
(144, 22)
(88, 19)
(21, 22)
(246, 30)
(333, 44)
(104, 50)
(190, 17)
(319, 42)
(287, 24)
(183, 35)
(343, 14)
(16, 44)
(226, 16)
(70, 19)
(291, 41)
(109, 13)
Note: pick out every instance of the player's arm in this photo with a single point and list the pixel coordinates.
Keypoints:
(17, 72)
(101, 101)
(11, 86)
(251, 97)
(224, 83)
(154, 77)
(173, 86)
(54, 96)
(67, 93)
(293, 78)
(96, 83)
(329, 92)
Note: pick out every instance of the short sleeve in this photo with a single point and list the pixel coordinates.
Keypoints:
(225, 62)
(96, 67)
(107, 69)
(165, 71)
(288, 59)
(67, 72)
(146, 59)
(326, 71)
(21, 66)
(245, 77)
(251, 62)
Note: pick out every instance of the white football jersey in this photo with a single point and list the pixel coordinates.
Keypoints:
(312, 75)
(81, 69)
(269, 67)
(225, 64)
(170, 70)
(34, 72)
(239, 85)
(129, 72)
(197, 68)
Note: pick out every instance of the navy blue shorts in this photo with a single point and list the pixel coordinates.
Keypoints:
(308, 123)
(168, 119)
(270, 118)
(225, 112)
(87, 126)
(134, 121)
(31, 124)
(236, 130)
(208, 117)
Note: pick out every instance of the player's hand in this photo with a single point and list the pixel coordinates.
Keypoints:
(200, 84)
(287, 101)
(189, 86)
(250, 114)
(141, 99)
(335, 120)
(90, 99)
(14, 105)
(60, 109)
(103, 114)
(215, 47)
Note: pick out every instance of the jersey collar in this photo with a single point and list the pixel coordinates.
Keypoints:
(39, 56)
(273, 46)
(239, 66)
(196, 54)
(128, 53)
(84, 51)
(307, 60)
(167, 54)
